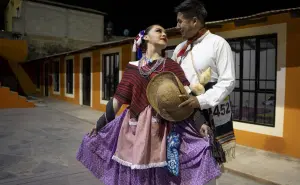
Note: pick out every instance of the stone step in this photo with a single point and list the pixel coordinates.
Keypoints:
(264, 166)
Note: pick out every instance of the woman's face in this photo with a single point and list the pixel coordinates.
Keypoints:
(157, 37)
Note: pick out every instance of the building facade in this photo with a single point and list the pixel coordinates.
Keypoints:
(264, 102)
(49, 26)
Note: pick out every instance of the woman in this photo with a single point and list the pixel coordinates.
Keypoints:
(131, 148)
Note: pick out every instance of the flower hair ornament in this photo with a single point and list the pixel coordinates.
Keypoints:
(137, 44)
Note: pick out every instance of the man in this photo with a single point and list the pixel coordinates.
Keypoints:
(201, 50)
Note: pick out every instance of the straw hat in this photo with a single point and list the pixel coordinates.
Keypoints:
(163, 93)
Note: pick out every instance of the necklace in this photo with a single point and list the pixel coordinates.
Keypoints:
(148, 60)
(146, 74)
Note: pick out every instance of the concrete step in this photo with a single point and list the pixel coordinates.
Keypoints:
(250, 179)
(11, 99)
(38, 102)
(264, 166)
(231, 178)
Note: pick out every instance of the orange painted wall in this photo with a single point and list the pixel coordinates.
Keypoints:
(292, 100)
(62, 65)
(97, 67)
(96, 81)
(13, 50)
(9, 99)
(126, 55)
(287, 144)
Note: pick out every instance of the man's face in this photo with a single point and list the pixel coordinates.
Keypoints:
(187, 26)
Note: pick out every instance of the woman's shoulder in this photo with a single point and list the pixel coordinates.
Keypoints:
(132, 66)
(171, 61)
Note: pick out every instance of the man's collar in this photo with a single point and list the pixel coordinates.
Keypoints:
(199, 34)
(202, 37)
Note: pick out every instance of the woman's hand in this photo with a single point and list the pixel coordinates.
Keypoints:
(99, 125)
(93, 132)
(205, 130)
(112, 107)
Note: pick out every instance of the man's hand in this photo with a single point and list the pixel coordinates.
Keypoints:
(205, 130)
(191, 101)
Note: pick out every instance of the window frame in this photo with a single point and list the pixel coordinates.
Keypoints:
(257, 90)
(56, 91)
(38, 76)
(115, 74)
(67, 94)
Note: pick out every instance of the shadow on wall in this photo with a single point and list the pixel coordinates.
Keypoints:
(8, 78)
(36, 50)
(13, 50)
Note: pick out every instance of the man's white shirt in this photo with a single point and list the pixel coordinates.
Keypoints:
(212, 51)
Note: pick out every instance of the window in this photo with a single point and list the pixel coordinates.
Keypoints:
(69, 76)
(38, 75)
(110, 75)
(253, 99)
(18, 12)
(56, 76)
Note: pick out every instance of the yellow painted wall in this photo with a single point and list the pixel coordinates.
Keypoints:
(292, 100)
(96, 67)
(15, 52)
(62, 65)
(8, 17)
(11, 12)
(96, 81)
(287, 144)
(10, 99)
(25, 82)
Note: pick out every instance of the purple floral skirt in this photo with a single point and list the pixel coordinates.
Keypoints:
(197, 166)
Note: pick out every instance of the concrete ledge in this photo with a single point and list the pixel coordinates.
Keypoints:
(265, 167)
(249, 176)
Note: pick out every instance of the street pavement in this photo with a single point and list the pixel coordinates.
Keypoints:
(38, 147)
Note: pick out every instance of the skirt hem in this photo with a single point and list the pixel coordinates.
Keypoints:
(139, 166)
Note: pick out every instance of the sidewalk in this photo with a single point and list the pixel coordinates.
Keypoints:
(259, 165)
(265, 166)
(82, 112)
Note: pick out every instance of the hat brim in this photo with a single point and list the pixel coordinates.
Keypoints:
(177, 114)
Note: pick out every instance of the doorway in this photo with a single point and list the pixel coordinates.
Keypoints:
(46, 79)
(86, 81)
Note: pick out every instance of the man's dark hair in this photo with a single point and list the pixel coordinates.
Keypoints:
(192, 8)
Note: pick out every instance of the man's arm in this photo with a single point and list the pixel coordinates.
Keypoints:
(226, 80)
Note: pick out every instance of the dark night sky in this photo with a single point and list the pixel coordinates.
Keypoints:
(137, 15)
